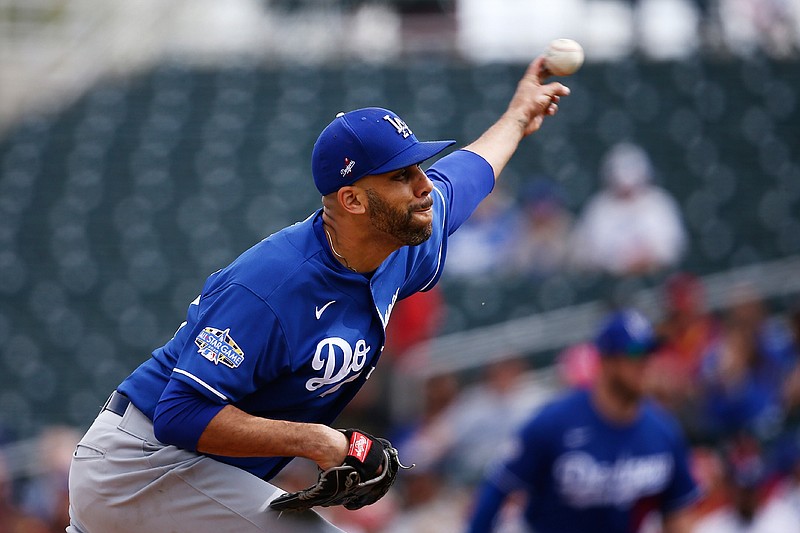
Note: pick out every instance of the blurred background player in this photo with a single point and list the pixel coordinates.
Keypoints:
(598, 459)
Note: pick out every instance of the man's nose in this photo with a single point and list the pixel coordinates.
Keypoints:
(425, 185)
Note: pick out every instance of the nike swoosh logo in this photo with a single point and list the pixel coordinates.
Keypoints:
(318, 311)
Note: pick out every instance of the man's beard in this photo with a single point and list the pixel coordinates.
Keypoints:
(625, 392)
(396, 222)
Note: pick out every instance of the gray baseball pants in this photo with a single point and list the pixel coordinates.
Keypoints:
(123, 480)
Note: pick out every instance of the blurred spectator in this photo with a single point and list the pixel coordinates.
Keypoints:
(750, 507)
(788, 490)
(631, 226)
(791, 390)
(709, 472)
(414, 320)
(466, 434)
(688, 328)
(767, 26)
(602, 459)
(483, 244)
(369, 519)
(740, 27)
(426, 403)
(543, 233)
(46, 495)
(743, 372)
(431, 505)
(786, 448)
(12, 518)
(578, 365)
(708, 24)
(437, 394)
(425, 499)
(686, 332)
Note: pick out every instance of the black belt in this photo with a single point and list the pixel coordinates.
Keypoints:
(117, 403)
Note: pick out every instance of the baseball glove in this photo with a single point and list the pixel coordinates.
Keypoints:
(369, 469)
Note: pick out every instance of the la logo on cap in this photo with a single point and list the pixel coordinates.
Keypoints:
(401, 127)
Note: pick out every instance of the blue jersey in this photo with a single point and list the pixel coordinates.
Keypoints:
(286, 332)
(584, 474)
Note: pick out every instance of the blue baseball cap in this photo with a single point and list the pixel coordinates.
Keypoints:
(627, 332)
(366, 141)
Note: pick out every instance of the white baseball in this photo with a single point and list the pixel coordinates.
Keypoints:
(563, 57)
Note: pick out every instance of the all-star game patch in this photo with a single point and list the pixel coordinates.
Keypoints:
(218, 346)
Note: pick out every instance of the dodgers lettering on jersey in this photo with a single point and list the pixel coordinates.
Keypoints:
(583, 481)
(337, 369)
(286, 332)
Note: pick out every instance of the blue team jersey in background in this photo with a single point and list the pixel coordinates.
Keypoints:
(287, 332)
(585, 474)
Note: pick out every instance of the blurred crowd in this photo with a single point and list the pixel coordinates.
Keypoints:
(630, 226)
(38, 500)
(741, 27)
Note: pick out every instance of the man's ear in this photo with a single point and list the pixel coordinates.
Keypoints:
(352, 199)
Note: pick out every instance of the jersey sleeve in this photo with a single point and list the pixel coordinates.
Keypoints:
(488, 503)
(182, 415)
(234, 343)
